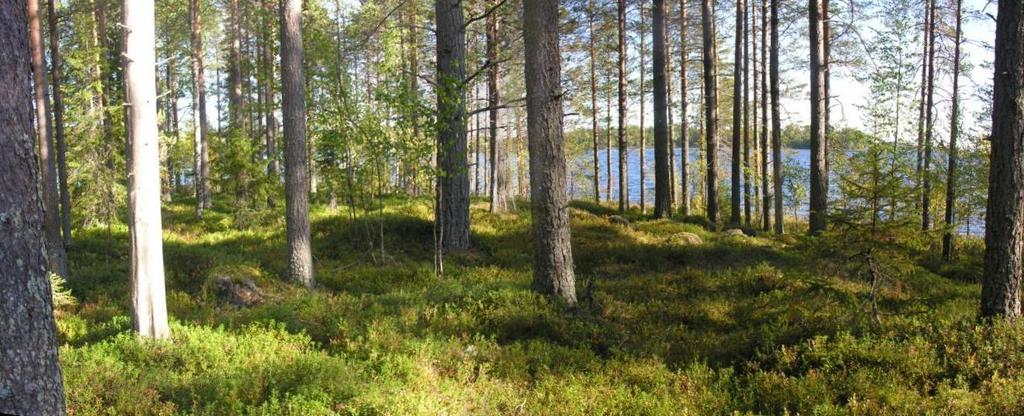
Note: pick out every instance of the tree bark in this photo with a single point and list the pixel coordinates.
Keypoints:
(711, 108)
(923, 105)
(149, 307)
(643, 114)
(737, 118)
(31, 381)
(662, 146)
(926, 180)
(453, 183)
(48, 164)
(498, 203)
(766, 205)
(552, 248)
(954, 135)
(623, 143)
(235, 116)
(199, 122)
(593, 98)
(608, 148)
(273, 165)
(819, 153)
(296, 166)
(684, 136)
(747, 166)
(777, 160)
(1004, 219)
(56, 73)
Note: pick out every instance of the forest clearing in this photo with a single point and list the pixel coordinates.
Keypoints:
(525, 207)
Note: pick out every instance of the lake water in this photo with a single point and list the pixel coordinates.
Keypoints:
(581, 168)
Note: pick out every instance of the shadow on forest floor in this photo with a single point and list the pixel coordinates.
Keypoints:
(733, 323)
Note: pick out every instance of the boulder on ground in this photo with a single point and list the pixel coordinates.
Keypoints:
(619, 220)
(242, 293)
(686, 239)
(735, 232)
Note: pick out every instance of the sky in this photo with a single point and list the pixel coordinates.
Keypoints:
(848, 94)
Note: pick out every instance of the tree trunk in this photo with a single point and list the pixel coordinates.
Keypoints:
(923, 105)
(662, 146)
(737, 117)
(475, 130)
(498, 203)
(199, 122)
(608, 148)
(777, 160)
(684, 136)
(819, 182)
(48, 165)
(711, 109)
(766, 204)
(31, 382)
(747, 166)
(235, 116)
(149, 306)
(296, 171)
(926, 180)
(623, 143)
(453, 182)
(593, 99)
(56, 71)
(553, 266)
(273, 166)
(643, 101)
(954, 135)
(1004, 219)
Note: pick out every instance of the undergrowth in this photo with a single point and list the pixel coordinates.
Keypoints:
(734, 324)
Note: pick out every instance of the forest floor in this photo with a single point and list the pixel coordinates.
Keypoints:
(759, 325)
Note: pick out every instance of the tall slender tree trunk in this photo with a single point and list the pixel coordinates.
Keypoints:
(777, 160)
(199, 122)
(662, 146)
(747, 164)
(766, 204)
(56, 73)
(149, 305)
(235, 116)
(923, 105)
(553, 267)
(296, 171)
(684, 134)
(670, 103)
(453, 182)
(954, 135)
(623, 142)
(737, 118)
(31, 381)
(498, 203)
(593, 98)
(273, 165)
(1004, 219)
(47, 154)
(608, 148)
(643, 107)
(711, 108)
(926, 180)
(819, 154)
(477, 152)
